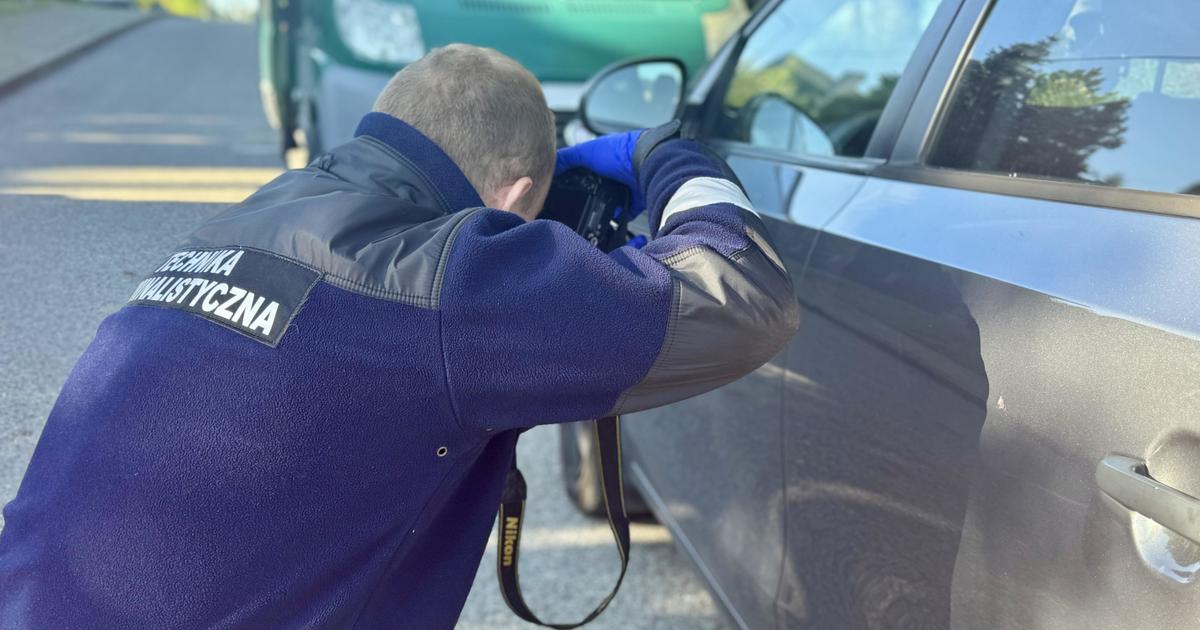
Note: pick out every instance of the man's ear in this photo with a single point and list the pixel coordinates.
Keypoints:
(508, 198)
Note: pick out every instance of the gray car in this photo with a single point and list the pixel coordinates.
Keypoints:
(990, 416)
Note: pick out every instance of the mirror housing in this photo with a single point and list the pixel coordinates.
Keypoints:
(633, 94)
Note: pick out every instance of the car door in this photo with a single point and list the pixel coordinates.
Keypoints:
(808, 111)
(795, 107)
(995, 389)
(711, 466)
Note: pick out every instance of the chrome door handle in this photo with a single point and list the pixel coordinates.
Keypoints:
(1129, 483)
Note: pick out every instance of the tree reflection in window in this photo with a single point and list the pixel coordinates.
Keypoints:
(1009, 116)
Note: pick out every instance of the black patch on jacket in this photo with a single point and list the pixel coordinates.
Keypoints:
(253, 292)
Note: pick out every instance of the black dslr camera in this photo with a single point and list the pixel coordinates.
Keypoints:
(588, 203)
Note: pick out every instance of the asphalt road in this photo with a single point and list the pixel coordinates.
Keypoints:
(111, 160)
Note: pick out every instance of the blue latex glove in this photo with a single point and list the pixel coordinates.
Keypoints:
(610, 156)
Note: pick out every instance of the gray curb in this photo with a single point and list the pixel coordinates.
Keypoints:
(47, 65)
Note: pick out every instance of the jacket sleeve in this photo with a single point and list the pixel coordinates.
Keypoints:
(538, 326)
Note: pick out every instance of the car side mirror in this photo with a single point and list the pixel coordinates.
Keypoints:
(633, 94)
(771, 121)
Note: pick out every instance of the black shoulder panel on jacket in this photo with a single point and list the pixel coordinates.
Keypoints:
(369, 223)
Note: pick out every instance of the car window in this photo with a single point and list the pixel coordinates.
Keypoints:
(1099, 91)
(814, 76)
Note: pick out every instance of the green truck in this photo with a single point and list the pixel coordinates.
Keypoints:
(322, 62)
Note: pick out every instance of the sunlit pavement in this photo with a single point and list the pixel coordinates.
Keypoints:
(137, 183)
(36, 33)
(111, 160)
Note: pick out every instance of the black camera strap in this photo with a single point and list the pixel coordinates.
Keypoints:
(512, 510)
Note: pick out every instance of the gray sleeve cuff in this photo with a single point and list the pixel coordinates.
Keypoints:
(729, 315)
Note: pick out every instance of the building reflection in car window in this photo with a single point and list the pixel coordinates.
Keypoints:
(814, 77)
(1098, 91)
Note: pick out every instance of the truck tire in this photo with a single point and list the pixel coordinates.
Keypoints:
(581, 474)
(312, 134)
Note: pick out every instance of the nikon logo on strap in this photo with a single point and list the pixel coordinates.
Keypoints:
(512, 509)
(252, 292)
(512, 529)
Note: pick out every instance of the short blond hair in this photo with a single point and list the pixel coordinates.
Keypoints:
(485, 110)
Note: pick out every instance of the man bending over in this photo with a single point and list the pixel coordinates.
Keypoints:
(305, 415)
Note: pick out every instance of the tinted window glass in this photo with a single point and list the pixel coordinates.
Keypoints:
(1098, 91)
(815, 75)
